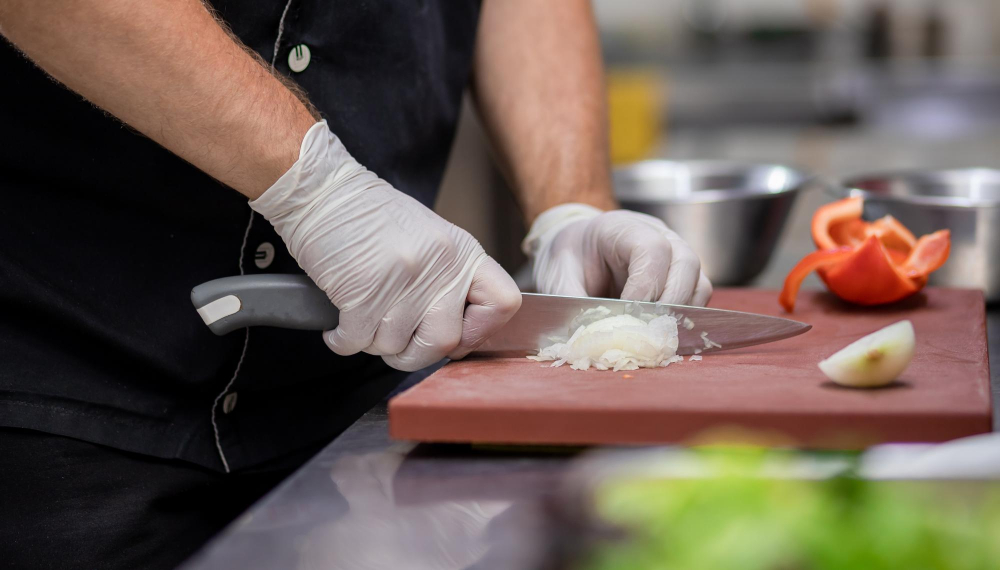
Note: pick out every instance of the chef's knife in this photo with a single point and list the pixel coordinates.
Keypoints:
(295, 302)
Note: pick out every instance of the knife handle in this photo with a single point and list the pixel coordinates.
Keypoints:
(272, 300)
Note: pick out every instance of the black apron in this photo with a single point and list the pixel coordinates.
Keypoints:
(104, 233)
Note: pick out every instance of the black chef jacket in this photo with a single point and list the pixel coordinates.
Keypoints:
(103, 233)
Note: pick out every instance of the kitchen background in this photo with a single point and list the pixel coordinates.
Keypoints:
(833, 87)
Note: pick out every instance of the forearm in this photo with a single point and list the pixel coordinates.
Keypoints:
(169, 70)
(539, 87)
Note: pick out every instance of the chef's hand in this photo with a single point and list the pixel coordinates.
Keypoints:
(582, 251)
(400, 274)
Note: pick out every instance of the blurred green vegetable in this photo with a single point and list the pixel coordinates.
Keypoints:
(741, 519)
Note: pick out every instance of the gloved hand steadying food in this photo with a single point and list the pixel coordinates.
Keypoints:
(582, 251)
(399, 273)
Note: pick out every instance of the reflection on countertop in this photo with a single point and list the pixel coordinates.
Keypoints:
(368, 502)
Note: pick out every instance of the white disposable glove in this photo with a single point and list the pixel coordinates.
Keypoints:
(399, 273)
(580, 250)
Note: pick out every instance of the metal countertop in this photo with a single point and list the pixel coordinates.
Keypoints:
(365, 501)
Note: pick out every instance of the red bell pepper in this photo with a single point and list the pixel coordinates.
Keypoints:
(868, 263)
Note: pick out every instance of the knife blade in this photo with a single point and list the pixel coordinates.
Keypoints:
(544, 319)
(295, 302)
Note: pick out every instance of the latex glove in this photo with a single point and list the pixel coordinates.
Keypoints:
(580, 250)
(400, 274)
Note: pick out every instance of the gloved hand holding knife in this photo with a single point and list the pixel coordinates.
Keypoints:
(399, 273)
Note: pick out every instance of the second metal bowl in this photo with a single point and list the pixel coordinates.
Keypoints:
(730, 212)
(965, 201)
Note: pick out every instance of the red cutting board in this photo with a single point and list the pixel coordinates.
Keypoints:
(773, 389)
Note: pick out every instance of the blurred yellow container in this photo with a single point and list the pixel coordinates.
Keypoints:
(636, 99)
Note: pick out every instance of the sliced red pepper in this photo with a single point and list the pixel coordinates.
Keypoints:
(868, 263)
(827, 219)
(851, 232)
(809, 263)
(892, 234)
(869, 276)
(839, 224)
(928, 255)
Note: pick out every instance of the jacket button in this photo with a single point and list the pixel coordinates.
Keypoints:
(264, 255)
(298, 58)
(229, 403)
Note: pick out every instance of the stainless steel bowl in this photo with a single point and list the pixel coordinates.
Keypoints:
(965, 201)
(730, 212)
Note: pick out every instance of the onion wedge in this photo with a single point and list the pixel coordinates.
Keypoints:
(874, 360)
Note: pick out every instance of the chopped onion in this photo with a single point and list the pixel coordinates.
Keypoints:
(694, 357)
(709, 343)
(621, 342)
